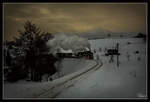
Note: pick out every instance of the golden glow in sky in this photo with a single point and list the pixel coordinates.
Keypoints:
(75, 17)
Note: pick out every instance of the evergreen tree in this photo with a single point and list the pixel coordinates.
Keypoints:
(29, 47)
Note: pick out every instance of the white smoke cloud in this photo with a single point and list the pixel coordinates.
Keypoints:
(65, 42)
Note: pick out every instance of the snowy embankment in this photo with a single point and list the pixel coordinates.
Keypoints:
(35, 90)
(126, 81)
(71, 65)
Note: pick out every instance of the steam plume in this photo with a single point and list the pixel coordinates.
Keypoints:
(68, 43)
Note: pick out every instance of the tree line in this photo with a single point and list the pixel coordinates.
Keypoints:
(27, 56)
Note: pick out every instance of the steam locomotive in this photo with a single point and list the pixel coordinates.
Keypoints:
(85, 54)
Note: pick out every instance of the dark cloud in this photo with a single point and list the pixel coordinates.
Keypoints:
(75, 17)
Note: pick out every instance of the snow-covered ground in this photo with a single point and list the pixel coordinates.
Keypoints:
(70, 65)
(23, 89)
(109, 81)
(126, 81)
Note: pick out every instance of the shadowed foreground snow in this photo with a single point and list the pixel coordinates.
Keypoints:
(24, 89)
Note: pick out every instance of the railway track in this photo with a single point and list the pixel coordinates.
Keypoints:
(68, 83)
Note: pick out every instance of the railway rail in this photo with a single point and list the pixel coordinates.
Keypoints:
(52, 93)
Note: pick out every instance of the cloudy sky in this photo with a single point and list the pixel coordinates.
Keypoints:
(75, 17)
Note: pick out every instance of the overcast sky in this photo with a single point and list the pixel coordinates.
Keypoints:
(75, 17)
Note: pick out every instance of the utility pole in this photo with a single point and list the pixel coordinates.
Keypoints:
(117, 55)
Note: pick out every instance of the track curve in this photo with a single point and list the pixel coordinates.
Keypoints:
(95, 67)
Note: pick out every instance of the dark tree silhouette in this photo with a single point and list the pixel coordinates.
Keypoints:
(8, 58)
(141, 35)
(31, 47)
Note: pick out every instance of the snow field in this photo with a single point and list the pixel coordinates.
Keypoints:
(126, 81)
